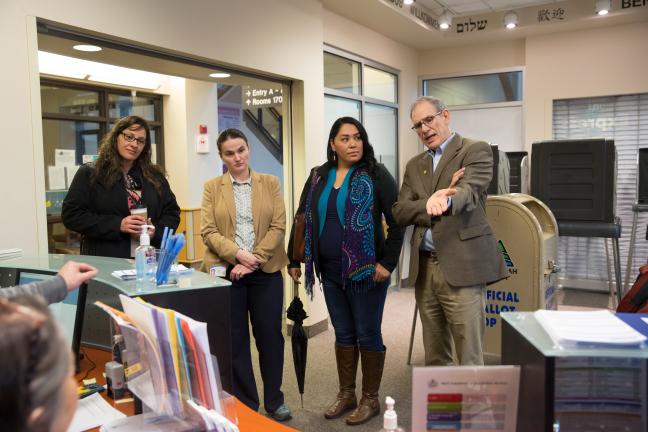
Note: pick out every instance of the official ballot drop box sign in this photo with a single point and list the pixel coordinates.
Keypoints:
(527, 236)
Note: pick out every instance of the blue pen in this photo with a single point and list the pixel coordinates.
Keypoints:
(164, 237)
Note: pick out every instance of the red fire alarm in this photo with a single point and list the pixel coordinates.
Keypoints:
(202, 129)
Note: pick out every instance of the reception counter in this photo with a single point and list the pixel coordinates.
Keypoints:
(198, 295)
(577, 388)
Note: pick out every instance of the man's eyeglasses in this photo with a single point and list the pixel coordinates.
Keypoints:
(130, 138)
(427, 121)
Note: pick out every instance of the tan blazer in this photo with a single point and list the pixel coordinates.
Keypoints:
(219, 222)
(464, 241)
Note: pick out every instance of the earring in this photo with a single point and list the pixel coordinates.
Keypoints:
(334, 155)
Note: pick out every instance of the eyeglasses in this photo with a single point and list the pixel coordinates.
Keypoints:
(130, 138)
(427, 121)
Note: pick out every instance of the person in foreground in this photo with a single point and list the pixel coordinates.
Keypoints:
(38, 392)
(243, 227)
(344, 202)
(105, 195)
(54, 290)
(454, 253)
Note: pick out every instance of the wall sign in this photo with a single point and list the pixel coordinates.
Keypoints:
(256, 97)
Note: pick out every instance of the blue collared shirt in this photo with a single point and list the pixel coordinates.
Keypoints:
(428, 242)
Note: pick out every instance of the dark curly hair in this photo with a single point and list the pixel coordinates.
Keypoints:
(108, 168)
(368, 157)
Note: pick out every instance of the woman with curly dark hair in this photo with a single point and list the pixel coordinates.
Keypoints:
(109, 200)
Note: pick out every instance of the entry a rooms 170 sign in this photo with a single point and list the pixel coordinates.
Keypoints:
(257, 97)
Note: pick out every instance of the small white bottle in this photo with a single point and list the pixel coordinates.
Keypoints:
(390, 419)
(145, 261)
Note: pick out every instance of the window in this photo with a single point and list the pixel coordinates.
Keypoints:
(365, 90)
(476, 89)
(625, 120)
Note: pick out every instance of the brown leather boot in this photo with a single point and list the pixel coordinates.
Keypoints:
(372, 370)
(347, 365)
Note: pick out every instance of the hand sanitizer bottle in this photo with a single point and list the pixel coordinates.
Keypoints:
(390, 419)
(145, 262)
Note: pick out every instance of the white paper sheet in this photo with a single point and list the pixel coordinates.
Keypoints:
(598, 328)
(56, 177)
(63, 157)
(70, 172)
(91, 412)
(465, 398)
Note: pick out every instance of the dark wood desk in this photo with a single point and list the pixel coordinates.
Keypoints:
(248, 420)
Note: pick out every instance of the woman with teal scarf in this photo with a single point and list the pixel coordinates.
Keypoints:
(344, 202)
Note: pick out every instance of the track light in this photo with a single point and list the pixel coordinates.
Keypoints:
(408, 2)
(511, 20)
(603, 7)
(445, 20)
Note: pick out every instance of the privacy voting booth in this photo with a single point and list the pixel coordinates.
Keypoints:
(527, 236)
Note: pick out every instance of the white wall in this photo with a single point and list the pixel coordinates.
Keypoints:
(584, 63)
(598, 62)
(202, 108)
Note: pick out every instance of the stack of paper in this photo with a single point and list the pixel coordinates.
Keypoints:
(130, 274)
(570, 329)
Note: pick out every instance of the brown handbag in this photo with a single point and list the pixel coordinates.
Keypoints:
(299, 238)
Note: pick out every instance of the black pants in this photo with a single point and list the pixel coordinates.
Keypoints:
(260, 295)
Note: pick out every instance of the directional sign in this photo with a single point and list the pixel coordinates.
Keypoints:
(256, 97)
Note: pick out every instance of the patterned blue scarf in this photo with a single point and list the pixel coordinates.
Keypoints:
(358, 241)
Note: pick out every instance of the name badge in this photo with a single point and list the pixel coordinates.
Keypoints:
(217, 270)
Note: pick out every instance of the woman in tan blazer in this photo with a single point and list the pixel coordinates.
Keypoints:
(243, 227)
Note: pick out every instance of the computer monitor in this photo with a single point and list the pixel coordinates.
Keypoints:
(65, 311)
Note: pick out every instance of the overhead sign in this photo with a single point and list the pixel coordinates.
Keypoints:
(257, 97)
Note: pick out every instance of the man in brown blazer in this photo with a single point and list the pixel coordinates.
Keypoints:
(454, 252)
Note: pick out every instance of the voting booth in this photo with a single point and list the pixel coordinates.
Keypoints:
(527, 235)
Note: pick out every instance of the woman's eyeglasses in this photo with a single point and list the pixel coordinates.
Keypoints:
(130, 138)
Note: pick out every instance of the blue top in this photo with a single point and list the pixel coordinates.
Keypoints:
(330, 244)
(322, 204)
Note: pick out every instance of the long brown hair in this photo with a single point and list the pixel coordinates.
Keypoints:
(108, 168)
(34, 361)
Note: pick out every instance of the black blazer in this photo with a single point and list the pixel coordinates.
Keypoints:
(386, 190)
(96, 211)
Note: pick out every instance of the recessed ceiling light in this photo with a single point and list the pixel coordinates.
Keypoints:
(219, 75)
(603, 7)
(408, 2)
(511, 20)
(87, 48)
(445, 20)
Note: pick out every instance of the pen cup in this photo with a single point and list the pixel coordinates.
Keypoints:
(165, 263)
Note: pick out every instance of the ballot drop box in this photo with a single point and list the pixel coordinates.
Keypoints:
(527, 237)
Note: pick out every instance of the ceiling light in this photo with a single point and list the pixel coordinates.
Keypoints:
(603, 7)
(219, 75)
(445, 20)
(408, 2)
(511, 20)
(70, 67)
(87, 48)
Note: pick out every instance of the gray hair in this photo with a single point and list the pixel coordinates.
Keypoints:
(438, 103)
(34, 363)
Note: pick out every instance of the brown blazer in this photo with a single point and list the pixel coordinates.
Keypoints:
(219, 222)
(466, 247)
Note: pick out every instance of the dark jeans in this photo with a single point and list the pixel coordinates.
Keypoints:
(357, 316)
(261, 296)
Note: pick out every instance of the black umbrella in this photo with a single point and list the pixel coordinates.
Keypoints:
(297, 314)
